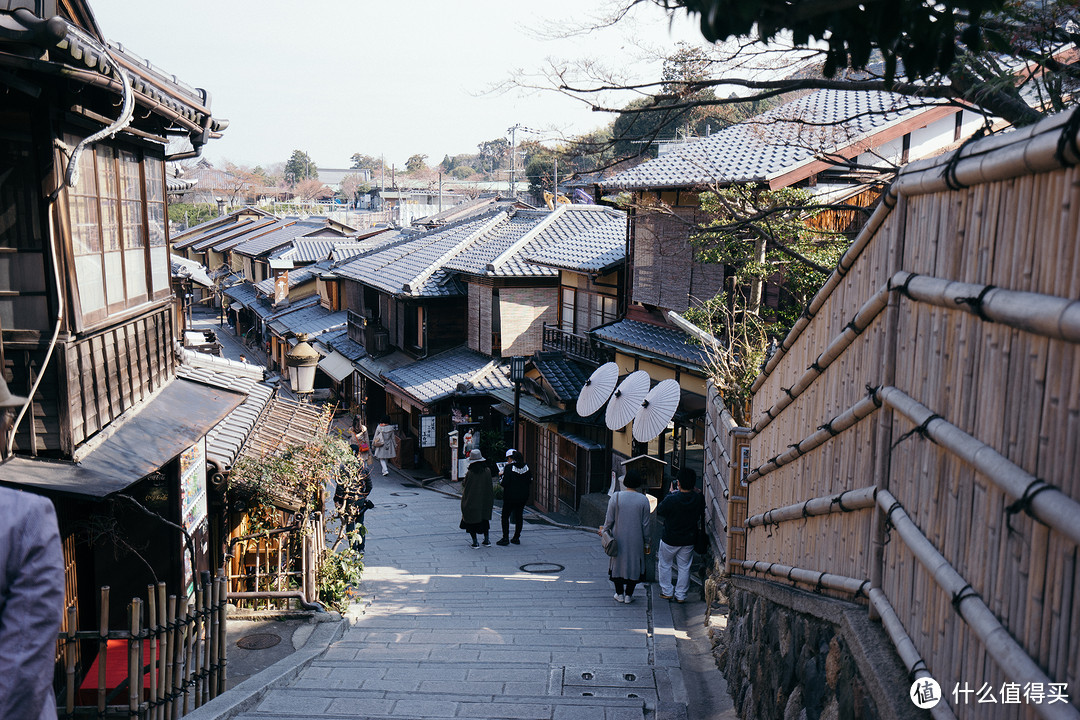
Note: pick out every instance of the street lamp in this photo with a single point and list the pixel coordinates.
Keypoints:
(517, 374)
(301, 361)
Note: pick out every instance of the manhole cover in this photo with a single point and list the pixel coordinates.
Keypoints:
(542, 567)
(402, 494)
(393, 506)
(258, 641)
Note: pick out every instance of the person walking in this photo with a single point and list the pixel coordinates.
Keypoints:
(516, 479)
(683, 513)
(629, 520)
(477, 498)
(384, 443)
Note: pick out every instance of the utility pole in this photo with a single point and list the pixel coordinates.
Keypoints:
(513, 157)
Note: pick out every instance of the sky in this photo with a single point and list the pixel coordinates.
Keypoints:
(388, 78)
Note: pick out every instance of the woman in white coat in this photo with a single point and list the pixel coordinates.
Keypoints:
(629, 519)
(384, 443)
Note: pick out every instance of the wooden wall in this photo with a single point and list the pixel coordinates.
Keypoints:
(1015, 390)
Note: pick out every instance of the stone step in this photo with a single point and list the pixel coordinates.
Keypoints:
(367, 705)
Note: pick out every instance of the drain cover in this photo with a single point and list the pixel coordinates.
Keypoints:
(402, 494)
(394, 505)
(542, 567)
(258, 641)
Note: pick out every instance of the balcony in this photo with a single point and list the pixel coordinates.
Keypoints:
(578, 347)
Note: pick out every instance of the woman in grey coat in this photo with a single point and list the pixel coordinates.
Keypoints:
(632, 533)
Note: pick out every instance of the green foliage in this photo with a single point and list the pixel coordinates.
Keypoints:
(416, 163)
(300, 167)
(361, 162)
(191, 214)
(759, 235)
(461, 172)
(339, 577)
(924, 35)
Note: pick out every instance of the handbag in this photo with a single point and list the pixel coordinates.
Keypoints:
(378, 441)
(607, 540)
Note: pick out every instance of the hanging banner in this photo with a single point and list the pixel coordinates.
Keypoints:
(427, 431)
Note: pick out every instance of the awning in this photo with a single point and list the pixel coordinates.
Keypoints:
(172, 422)
(336, 366)
(529, 407)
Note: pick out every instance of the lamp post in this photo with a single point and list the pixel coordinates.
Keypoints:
(517, 374)
(301, 361)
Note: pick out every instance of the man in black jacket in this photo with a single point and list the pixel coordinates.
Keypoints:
(516, 480)
(683, 513)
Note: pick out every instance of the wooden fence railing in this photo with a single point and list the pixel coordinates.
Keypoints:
(270, 569)
(169, 660)
(916, 437)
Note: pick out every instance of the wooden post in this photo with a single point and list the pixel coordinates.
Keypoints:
(223, 641)
(163, 644)
(173, 668)
(215, 629)
(69, 657)
(103, 647)
(152, 631)
(188, 632)
(134, 667)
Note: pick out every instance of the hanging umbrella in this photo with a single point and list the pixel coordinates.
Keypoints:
(626, 401)
(657, 409)
(597, 389)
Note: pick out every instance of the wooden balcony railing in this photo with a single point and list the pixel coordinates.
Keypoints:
(579, 347)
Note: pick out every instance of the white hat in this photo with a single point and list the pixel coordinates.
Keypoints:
(475, 455)
(7, 399)
(510, 452)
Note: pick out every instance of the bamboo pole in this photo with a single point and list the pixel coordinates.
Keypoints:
(905, 648)
(175, 662)
(215, 629)
(69, 658)
(134, 667)
(831, 429)
(163, 630)
(189, 631)
(152, 630)
(849, 585)
(103, 647)
(1044, 501)
(844, 502)
(1005, 651)
(223, 640)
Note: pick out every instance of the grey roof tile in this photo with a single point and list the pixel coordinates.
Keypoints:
(271, 241)
(655, 339)
(566, 377)
(772, 143)
(313, 319)
(438, 376)
(225, 439)
(587, 238)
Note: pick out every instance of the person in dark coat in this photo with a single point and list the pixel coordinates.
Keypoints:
(683, 513)
(477, 498)
(629, 519)
(517, 477)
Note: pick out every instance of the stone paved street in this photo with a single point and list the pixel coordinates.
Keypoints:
(447, 631)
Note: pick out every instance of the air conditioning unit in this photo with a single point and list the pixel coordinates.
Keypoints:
(380, 342)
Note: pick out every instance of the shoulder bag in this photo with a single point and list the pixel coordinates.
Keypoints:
(607, 540)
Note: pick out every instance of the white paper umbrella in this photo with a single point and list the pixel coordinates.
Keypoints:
(626, 401)
(597, 389)
(657, 409)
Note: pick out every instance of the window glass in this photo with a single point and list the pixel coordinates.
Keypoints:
(106, 175)
(566, 319)
(131, 201)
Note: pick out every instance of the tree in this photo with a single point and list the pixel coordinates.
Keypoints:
(352, 187)
(300, 167)
(493, 154)
(238, 181)
(416, 163)
(365, 162)
(310, 189)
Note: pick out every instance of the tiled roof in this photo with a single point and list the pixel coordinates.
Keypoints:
(272, 240)
(297, 276)
(225, 439)
(311, 250)
(339, 340)
(438, 376)
(566, 377)
(652, 339)
(457, 212)
(313, 319)
(409, 261)
(587, 238)
(771, 144)
(497, 240)
(243, 293)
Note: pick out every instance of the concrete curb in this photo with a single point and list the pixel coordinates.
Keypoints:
(247, 694)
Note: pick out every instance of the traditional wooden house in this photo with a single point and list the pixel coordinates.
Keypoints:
(804, 143)
(89, 330)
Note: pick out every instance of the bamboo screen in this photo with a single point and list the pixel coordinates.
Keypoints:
(833, 413)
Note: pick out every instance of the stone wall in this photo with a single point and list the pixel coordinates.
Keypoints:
(793, 655)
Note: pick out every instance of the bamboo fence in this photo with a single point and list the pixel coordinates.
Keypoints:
(174, 660)
(919, 429)
(275, 568)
